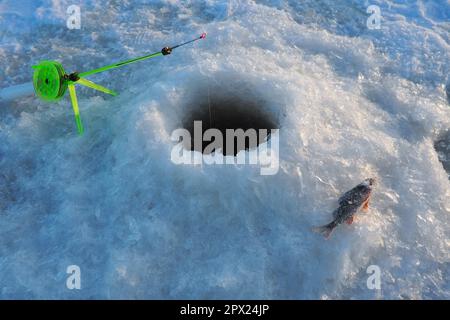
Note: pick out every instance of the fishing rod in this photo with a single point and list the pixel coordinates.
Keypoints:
(51, 82)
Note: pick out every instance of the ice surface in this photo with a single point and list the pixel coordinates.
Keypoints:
(352, 103)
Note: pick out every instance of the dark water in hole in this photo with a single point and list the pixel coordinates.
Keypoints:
(229, 113)
(442, 146)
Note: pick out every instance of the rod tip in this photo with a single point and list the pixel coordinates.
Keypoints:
(203, 36)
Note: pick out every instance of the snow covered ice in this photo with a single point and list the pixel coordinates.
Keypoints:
(351, 103)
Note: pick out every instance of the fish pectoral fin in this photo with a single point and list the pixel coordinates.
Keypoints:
(365, 207)
(349, 220)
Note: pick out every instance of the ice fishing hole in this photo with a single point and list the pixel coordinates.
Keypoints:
(442, 147)
(228, 112)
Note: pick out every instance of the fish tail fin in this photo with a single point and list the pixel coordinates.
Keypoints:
(325, 230)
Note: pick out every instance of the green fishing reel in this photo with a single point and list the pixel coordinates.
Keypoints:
(50, 80)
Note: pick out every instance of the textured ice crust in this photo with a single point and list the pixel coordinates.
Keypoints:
(352, 103)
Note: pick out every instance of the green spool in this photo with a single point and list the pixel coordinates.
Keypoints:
(49, 80)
